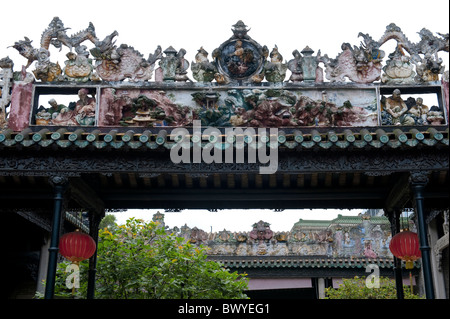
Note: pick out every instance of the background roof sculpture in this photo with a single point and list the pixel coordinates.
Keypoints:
(346, 241)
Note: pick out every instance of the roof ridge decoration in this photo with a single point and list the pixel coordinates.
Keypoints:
(251, 86)
(240, 58)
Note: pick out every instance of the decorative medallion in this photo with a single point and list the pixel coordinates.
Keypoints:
(240, 57)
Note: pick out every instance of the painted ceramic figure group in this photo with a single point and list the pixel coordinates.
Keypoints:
(81, 112)
(396, 112)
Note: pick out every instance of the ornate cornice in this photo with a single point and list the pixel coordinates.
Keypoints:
(145, 163)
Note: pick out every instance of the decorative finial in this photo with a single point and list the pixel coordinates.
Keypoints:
(307, 51)
(240, 29)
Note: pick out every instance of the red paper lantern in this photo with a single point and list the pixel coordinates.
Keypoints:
(405, 246)
(76, 246)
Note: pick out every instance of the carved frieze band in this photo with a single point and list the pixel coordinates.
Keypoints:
(372, 164)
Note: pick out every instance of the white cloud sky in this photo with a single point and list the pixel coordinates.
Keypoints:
(289, 24)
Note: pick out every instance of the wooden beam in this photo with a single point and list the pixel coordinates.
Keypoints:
(300, 180)
(399, 194)
(273, 180)
(342, 179)
(356, 179)
(175, 180)
(203, 182)
(132, 179)
(118, 179)
(103, 180)
(314, 179)
(258, 181)
(442, 177)
(230, 181)
(244, 180)
(188, 180)
(147, 181)
(85, 196)
(286, 180)
(161, 180)
(247, 198)
(328, 179)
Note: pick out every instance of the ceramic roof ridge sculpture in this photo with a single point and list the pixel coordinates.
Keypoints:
(240, 59)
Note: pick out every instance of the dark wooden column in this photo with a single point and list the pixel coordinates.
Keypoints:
(397, 199)
(418, 183)
(394, 219)
(59, 187)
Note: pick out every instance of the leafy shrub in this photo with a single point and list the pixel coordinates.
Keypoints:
(356, 288)
(141, 260)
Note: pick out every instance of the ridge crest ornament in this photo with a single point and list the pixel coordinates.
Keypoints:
(239, 58)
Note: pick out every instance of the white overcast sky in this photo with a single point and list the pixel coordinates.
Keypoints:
(289, 24)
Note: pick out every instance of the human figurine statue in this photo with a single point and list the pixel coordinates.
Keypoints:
(182, 67)
(202, 69)
(435, 116)
(398, 68)
(295, 67)
(55, 108)
(82, 113)
(44, 115)
(79, 67)
(394, 109)
(275, 69)
(418, 113)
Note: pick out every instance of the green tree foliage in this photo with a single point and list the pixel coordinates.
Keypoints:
(356, 288)
(109, 221)
(141, 260)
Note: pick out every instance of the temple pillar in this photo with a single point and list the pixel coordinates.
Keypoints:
(418, 182)
(59, 186)
(94, 222)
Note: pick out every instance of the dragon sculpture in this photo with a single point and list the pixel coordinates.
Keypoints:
(429, 44)
(118, 63)
(430, 65)
(360, 64)
(113, 63)
(55, 34)
(363, 64)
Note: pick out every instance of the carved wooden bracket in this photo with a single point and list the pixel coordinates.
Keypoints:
(419, 177)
